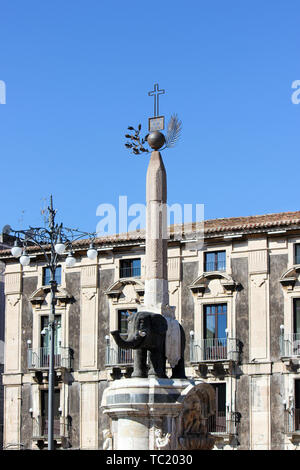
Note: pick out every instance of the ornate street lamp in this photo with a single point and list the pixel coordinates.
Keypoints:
(54, 241)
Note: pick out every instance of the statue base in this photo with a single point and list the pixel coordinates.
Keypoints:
(156, 414)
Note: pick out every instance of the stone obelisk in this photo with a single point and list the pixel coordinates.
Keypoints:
(156, 297)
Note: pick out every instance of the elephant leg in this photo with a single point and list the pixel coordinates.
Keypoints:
(157, 364)
(178, 372)
(139, 363)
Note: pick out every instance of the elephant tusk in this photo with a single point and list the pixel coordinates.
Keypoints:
(142, 333)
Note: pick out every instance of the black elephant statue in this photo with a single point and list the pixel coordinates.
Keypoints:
(147, 333)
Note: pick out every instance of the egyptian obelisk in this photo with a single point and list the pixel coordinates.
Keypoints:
(156, 277)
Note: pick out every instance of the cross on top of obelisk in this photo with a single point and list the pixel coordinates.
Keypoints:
(155, 93)
(156, 123)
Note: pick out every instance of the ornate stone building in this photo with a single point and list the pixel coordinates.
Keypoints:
(238, 299)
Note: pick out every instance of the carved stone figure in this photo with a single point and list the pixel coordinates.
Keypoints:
(197, 412)
(147, 333)
(107, 440)
(161, 441)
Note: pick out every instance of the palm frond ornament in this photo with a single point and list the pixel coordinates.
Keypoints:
(173, 131)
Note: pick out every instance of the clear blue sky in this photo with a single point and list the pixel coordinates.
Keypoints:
(77, 74)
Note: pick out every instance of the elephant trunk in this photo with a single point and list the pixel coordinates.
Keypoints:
(127, 344)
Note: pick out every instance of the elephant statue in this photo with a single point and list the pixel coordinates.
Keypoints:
(147, 332)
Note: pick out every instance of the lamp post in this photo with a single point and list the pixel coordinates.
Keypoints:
(53, 241)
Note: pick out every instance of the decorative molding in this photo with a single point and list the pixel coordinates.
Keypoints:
(227, 283)
(115, 291)
(39, 296)
(289, 278)
(174, 269)
(258, 279)
(89, 276)
(89, 293)
(13, 299)
(13, 283)
(258, 261)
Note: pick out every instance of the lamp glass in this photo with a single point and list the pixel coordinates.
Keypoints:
(16, 251)
(24, 260)
(70, 261)
(92, 253)
(60, 248)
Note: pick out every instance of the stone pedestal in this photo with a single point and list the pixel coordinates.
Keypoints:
(152, 414)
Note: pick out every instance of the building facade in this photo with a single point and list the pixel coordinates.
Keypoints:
(237, 298)
(5, 242)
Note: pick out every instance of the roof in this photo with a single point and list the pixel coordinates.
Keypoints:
(212, 228)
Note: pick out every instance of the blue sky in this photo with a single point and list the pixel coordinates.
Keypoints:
(77, 73)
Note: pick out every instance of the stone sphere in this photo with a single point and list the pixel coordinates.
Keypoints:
(156, 140)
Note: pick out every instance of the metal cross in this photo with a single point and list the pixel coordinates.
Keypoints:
(156, 92)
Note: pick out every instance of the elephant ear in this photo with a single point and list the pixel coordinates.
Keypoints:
(159, 323)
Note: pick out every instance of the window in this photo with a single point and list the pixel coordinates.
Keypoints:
(297, 253)
(296, 322)
(47, 276)
(215, 261)
(124, 355)
(215, 321)
(130, 268)
(220, 420)
(215, 339)
(45, 342)
(123, 320)
(44, 413)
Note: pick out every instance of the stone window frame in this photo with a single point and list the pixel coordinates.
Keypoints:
(199, 314)
(291, 242)
(114, 316)
(213, 247)
(140, 253)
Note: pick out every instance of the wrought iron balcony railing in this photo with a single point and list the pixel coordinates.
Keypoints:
(61, 427)
(40, 358)
(215, 266)
(117, 356)
(290, 345)
(223, 423)
(216, 349)
(131, 271)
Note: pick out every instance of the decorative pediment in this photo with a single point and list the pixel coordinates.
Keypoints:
(216, 282)
(130, 289)
(289, 278)
(39, 296)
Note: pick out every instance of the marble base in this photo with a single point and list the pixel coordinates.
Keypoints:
(145, 413)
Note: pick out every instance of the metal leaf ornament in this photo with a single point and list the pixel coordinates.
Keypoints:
(136, 143)
(173, 131)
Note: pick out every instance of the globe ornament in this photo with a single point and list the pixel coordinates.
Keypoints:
(156, 140)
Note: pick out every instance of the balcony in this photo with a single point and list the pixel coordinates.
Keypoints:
(216, 355)
(215, 349)
(61, 431)
(290, 345)
(292, 424)
(39, 359)
(118, 357)
(223, 423)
